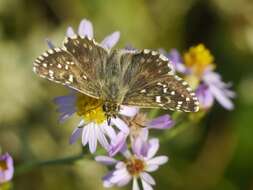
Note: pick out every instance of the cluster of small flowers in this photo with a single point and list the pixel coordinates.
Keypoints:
(131, 128)
(197, 67)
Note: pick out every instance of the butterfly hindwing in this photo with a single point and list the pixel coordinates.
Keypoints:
(155, 85)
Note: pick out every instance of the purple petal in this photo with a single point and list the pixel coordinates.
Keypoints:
(106, 180)
(63, 117)
(117, 144)
(65, 100)
(146, 186)
(159, 160)
(153, 148)
(137, 145)
(106, 160)
(109, 131)
(143, 134)
(162, 122)
(50, 44)
(205, 96)
(75, 135)
(6, 174)
(124, 181)
(147, 178)
(111, 40)
(120, 124)
(119, 175)
(219, 89)
(222, 98)
(85, 28)
(70, 32)
(128, 111)
(176, 60)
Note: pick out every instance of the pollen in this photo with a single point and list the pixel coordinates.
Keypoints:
(90, 109)
(3, 165)
(199, 58)
(135, 166)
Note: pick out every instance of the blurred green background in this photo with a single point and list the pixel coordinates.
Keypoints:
(216, 154)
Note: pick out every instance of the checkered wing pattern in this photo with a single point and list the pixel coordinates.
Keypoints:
(154, 84)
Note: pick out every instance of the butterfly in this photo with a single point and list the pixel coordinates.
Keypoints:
(142, 78)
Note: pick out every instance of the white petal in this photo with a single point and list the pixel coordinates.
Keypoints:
(110, 40)
(159, 160)
(124, 181)
(121, 125)
(222, 98)
(85, 28)
(118, 175)
(154, 146)
(151, 168)
(70, 32)
(109, 131)
(148, 178)
(146, 186)
(107, 184)
(93, 139)
(128, 111)
(101, 137)
(135, 184)
(106, 160)
(85, 134)
(120, 165)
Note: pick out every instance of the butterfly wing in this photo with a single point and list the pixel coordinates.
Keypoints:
(153, 84)
(73, 65)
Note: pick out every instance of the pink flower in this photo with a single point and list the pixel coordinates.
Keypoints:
(136, 165)
(6, 168)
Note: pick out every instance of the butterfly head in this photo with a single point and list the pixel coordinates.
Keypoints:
(111, 109)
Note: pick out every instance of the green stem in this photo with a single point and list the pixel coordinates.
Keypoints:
(26, 167)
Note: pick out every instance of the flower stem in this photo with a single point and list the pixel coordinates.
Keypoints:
(26, 167)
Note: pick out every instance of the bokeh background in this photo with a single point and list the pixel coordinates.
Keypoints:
(216, 154)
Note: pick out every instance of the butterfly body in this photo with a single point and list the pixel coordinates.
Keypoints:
(117, 77)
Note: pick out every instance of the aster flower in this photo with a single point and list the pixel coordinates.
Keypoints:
(139, 126)
(135, 166)
(93, 126)
(197, 66)
(6, 168)
(86, 29)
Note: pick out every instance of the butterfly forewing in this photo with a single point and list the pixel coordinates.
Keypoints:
(61, 66)
(155, 84)
(91, 57)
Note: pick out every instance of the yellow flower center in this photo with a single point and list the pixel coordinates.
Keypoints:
(90, 109)
(199, 58)
(3, 165)
(135, 166)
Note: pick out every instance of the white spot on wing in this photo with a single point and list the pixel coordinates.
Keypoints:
(146, 51)
(158, 99)
(162, 57)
